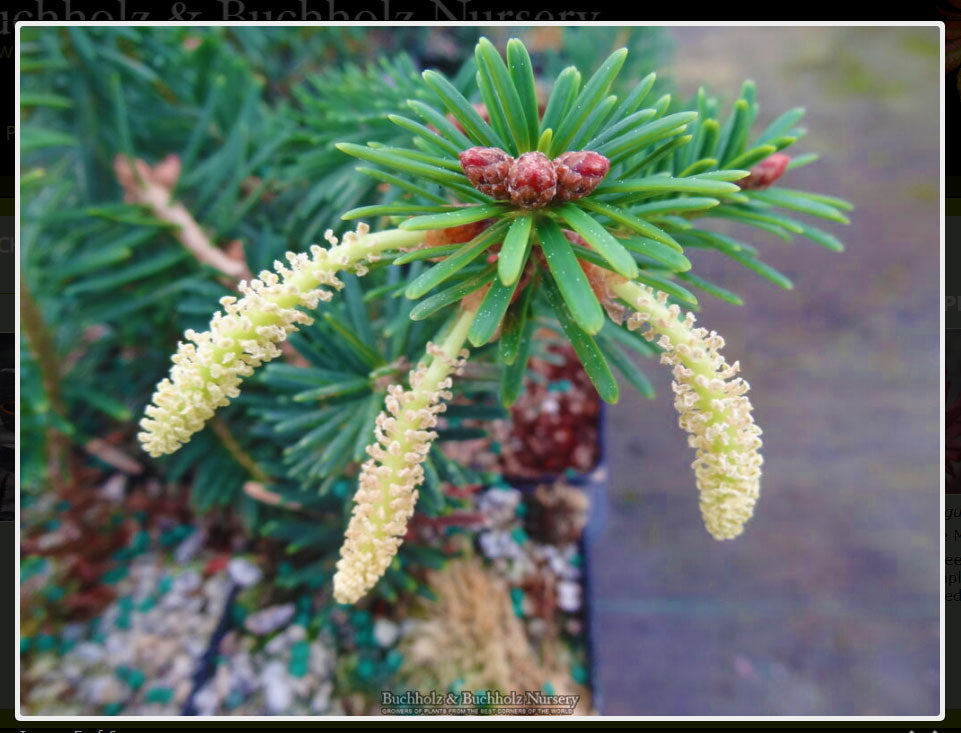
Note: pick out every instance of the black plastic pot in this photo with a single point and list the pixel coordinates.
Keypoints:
(595, 484)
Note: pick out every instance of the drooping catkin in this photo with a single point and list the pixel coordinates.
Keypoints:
(388, 483)
(209, 366)
(711, 401)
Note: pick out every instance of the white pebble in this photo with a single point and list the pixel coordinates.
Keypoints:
(277, 692)
(188, 549)
(185, 582)
(114, 488)
(270, 619)
(386, 632)
(243, 572)
(569, 595)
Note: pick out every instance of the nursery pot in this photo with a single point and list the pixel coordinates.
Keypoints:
(594, 483)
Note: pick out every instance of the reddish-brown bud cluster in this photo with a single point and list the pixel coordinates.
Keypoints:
(487, 170)
(533, 180)
(578, 173)
(766, 172)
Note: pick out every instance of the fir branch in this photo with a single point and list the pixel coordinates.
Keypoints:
(42, 347)
(234, 448)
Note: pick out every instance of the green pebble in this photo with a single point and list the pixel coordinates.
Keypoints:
(170, 537)
(136, 678)
(365, 669)
(142, 541)
(517, 599)
(234, 699)
(304, 611)
(67, 645)
(32, 566)
(496, 447)
(54, 593)
(521, 509)
(114, 576)
(457, 685)
(298, 667)
(44, 642)
(576, 560)
(161, 695)
(147, 603)
(238, 613)
(394, 660)
(579, 674)
(570, 474)
(549, 689)
(123, 671)
(62, 506)
(165, 584)
(362, 619)
(112, 708)
(519, 535)
(52, 525)
(25, 643)
(365, 637)
(123, 621)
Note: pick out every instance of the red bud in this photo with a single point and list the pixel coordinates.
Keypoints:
(532, 182)
(766, 172)
(487, 169)
(579, 173)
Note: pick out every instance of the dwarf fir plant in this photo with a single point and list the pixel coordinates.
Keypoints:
(574, 209)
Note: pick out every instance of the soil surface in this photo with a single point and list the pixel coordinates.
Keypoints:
(829, 602)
